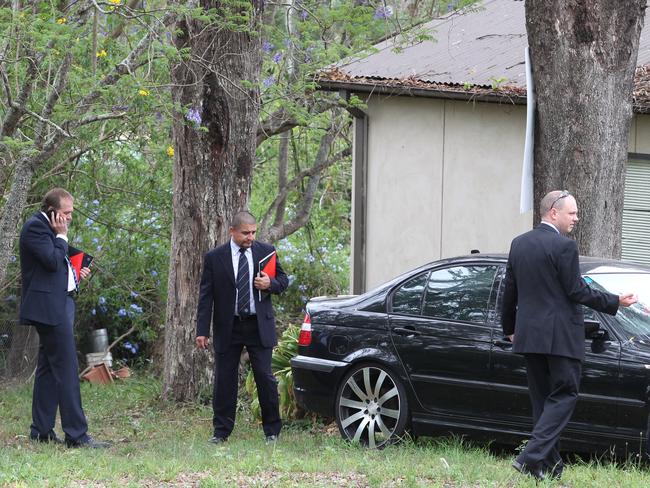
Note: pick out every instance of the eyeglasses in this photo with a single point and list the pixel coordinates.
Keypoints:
(564, 194)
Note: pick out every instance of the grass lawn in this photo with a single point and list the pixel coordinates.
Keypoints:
(160, 444)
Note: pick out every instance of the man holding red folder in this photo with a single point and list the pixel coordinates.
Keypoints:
(238, 280)
(49, 285)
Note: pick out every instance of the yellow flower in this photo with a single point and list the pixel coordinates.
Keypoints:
(62, 20)
(115, 2)
(170, 151)
(143, 93)
(101, 54)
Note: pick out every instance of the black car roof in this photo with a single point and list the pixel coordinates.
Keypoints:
(588, 264)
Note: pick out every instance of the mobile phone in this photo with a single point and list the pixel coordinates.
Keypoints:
(86, 261)
(51, 214)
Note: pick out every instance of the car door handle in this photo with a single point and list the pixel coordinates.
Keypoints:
(406, 331)
(503, 343)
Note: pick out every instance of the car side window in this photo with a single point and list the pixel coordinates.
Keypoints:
(407, 299)
(459, 293)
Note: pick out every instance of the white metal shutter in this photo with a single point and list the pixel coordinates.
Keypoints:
(635, 244)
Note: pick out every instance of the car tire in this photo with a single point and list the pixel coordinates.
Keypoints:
(371, 406)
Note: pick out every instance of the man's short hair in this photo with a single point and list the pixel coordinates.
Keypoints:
(52, 199)
(553, 199)
(242, 218)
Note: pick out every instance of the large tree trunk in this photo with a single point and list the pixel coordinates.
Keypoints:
(584, 55)
(212, 173)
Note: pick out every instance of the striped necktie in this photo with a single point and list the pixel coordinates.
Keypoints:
(243, 285)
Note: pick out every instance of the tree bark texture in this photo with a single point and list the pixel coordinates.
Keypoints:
(584, 55)
(217, 83)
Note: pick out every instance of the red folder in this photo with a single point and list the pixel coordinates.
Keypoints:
(79, 259)
(268, 265)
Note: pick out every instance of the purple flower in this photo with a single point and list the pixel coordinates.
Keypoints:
(277, 57)
(270, 81)
(121, 313)
(287, 42)
(133, 348)
(12, 258)
(93, 312)
(383, 12)
(95, 202)
(135, 294)
(102, 300)
(136, 308)
(194, 116)
(89, 222)
(267, 47)
(120, 108)
(304, 14)
(154, 273)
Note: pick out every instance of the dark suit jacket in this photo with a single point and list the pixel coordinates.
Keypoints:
(217, 296)
(543, 293)
(44, 273)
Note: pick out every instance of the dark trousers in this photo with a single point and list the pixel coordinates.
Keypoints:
(226, 375)
(56, 383)
(553, 383)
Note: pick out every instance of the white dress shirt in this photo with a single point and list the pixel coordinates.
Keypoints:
(234, 248)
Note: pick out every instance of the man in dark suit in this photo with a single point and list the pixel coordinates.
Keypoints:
(542, 315)
(229, 301)
(47, 302)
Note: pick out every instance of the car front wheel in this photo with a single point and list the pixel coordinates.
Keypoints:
(371, 406)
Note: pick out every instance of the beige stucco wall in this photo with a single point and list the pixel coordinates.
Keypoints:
(443, 178)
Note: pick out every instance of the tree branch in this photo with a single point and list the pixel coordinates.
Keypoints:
(314, 173)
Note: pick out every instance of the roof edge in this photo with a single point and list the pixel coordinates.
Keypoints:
(401, 90)
(487, 96)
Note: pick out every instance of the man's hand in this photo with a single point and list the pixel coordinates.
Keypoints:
(262, 282)
(627, 300)
(202, 342)
(84, 273)
(511, 338)
(58, 222)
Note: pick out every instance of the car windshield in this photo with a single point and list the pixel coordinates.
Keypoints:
(634, 320)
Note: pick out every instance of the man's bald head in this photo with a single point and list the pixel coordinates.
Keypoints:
(553, 199)
(560, 209)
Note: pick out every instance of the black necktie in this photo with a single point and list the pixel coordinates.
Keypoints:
(243, 286)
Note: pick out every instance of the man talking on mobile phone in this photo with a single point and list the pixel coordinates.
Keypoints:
(49, 285)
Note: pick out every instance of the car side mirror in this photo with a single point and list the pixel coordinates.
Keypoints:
(594, 332)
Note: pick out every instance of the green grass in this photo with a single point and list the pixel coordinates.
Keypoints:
(160, 444)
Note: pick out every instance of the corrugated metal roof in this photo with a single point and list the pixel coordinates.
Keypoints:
(482, 46)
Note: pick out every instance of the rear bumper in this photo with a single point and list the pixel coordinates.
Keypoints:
(316, 382)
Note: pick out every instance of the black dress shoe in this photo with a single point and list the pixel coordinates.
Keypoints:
(49, 437)
(217, 440)
(538, 474)
(270, 439)
(88, 443)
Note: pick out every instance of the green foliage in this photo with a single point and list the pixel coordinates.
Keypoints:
(280, 365)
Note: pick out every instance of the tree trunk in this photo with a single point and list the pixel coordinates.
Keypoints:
(12, 211)
(584, 55)
(212, 173)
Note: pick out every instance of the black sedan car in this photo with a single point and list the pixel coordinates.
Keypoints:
(425, 353)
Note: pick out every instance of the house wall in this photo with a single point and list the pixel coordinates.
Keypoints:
(443, 177)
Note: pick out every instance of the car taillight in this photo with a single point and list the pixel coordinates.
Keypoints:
(304, 339)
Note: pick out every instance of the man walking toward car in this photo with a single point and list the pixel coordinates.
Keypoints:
(49, 285)
(542, 315)
(235, 302)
